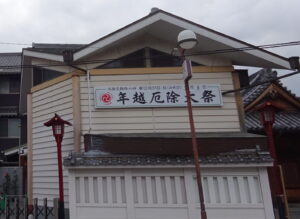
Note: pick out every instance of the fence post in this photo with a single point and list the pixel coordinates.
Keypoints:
(45, 209)
(25, 207)
(35, 208)
(7, 208)
(55, 208)
(17, 208)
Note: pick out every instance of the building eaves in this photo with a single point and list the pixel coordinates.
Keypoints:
(56, 49)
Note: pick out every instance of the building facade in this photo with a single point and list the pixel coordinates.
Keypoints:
(12, 136)
(133, 160)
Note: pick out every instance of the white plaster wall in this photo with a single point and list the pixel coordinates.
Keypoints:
(170, 193)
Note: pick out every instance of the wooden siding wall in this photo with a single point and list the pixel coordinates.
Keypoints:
(45, 102)
(147, 120)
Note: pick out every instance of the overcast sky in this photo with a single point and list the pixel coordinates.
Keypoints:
(257, 22)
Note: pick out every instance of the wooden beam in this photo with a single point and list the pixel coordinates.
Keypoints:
(54, 81)
(76, 111)
(132, 71)
(165, 70)
(29, 149)
(239, 101)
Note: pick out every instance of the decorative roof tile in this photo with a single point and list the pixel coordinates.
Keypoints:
(248, 156)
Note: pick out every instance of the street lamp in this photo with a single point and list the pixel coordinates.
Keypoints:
(267, 112)
(187, 40)
(58, 125)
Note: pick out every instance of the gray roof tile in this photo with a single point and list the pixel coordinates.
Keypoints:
(249, 156)
(10, 63)
(284, 121)
(251, 94)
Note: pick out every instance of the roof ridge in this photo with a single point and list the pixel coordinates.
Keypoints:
(10, 53)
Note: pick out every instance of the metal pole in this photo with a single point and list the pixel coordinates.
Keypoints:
(61, 207)
(195, 150)
(277, 184)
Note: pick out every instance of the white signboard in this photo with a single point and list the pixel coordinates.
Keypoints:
(156, 96)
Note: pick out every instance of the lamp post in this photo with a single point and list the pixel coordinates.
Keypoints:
(187, 40)
(58, 125)
(267, 113)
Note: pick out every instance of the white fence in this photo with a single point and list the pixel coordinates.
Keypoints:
(168, 193)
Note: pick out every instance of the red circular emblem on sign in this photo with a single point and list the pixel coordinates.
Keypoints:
(106, 98)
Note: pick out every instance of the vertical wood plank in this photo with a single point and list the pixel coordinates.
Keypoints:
(178, 190)
(149, 190)
(239, 101)
(211, 189)
(253, 193)
(82, 190)
(232, 192)
(222, 189)
(91, 190)
(109, 190)
(266, 193)
(129, 194)
(241, 185)
(72, 195)
(139, 190)
(158, 190)
(100, 190)
(190, 194)
(76, 111)
(29, 150)
(118, 190)
(168, 190)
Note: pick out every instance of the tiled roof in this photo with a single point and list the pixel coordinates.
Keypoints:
(251, 94)
(54, 48)
(263, 75)
(284, 122)
(249, 156)
(10, 63)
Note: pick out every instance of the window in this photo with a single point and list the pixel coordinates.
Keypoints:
(4, 85)
(9, 84)
(10, 127)
(139, 59)
(41, 75)
(133, 60)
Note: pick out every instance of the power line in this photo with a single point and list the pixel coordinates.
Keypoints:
(207, 52)
(261, 83)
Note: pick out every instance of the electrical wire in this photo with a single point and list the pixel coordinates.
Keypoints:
(208, 52)
(260, 83)
(211, 52)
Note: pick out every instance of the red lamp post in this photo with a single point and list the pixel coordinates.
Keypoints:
(267, 112)
(58, 125)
